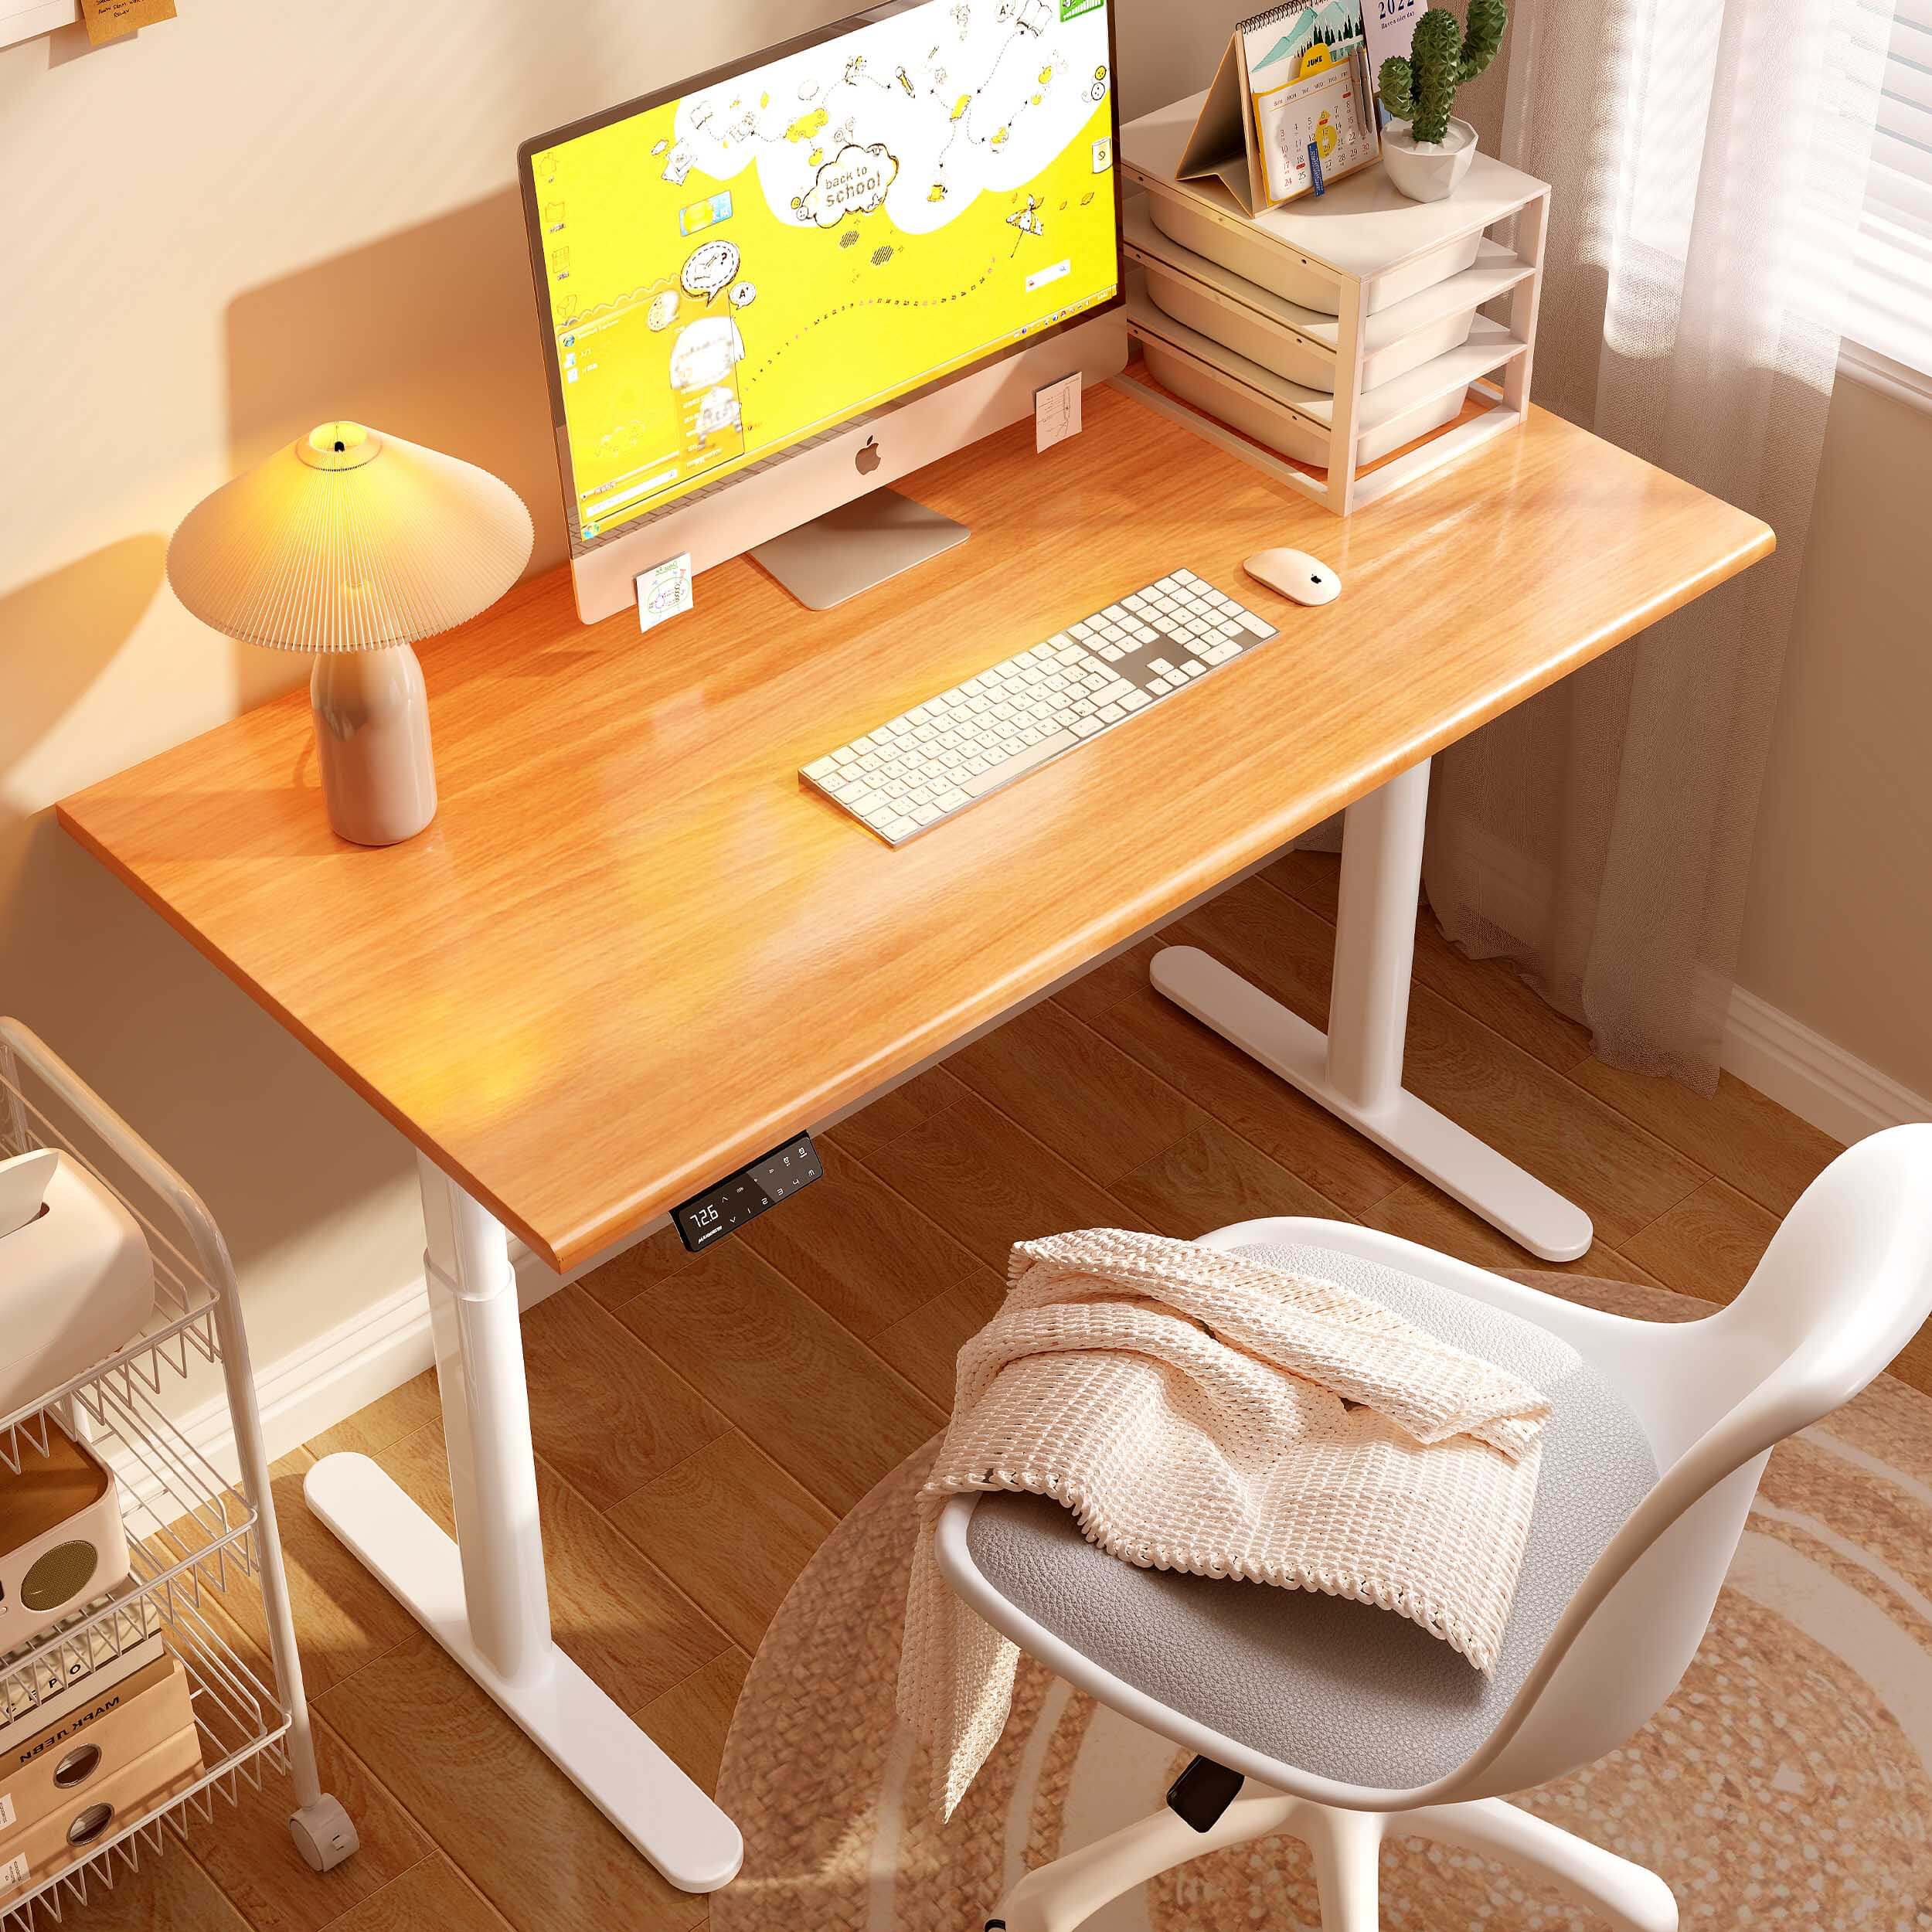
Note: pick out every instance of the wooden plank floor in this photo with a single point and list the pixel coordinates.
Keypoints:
(702, 1422)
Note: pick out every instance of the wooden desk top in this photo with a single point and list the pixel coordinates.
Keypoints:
(634, 952)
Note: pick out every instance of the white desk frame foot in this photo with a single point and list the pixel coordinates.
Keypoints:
(484, 1598)
(1355, 1068)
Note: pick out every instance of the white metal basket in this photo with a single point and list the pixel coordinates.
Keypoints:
(189, 1529)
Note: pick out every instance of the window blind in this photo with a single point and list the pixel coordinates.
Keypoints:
(1889, 305)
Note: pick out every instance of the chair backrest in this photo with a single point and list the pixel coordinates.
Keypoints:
(1845, 1284)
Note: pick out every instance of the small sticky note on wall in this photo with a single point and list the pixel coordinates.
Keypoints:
(110, 19)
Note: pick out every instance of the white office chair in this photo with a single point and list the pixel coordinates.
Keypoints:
(1350, 1722)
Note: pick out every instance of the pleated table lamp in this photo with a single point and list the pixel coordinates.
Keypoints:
(353, 545)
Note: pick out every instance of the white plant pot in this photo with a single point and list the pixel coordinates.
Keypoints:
(1425, 170)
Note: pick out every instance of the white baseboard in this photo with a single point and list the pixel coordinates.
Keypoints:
(1814, 1077)
(327, 1379)
(1818, 1080)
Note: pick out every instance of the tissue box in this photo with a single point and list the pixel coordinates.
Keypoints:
(76, 1280)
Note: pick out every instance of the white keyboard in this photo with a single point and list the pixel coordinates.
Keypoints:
(908, 774)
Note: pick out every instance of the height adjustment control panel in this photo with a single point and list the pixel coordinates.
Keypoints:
(773, 1177)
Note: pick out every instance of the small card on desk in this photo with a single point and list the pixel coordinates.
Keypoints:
(1056, 412)
(663, 590)
(110, 19)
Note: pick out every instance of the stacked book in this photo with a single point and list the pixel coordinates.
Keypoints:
(96, 1719)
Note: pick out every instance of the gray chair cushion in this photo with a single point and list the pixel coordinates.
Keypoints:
(1342, 1689)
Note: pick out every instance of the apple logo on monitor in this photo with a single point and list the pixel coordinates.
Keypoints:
(867, 458)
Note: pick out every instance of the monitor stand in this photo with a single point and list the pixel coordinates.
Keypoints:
(861, 543)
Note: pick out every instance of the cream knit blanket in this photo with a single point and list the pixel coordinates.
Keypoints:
(1198, 1411)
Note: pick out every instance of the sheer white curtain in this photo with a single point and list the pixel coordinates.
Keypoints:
(1707, 158)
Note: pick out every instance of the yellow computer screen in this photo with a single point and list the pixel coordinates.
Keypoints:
(734, 271)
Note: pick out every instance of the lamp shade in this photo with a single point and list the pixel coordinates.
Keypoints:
(349, 540)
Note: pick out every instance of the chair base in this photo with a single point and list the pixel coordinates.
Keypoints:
(1347, 1847)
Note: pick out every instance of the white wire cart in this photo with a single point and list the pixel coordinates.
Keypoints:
(192, 1534)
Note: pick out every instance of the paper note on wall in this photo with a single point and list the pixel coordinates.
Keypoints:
(1392, 31)
(110, 19)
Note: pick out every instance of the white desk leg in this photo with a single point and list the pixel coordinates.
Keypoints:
(483, 1597)
(1355, 1069)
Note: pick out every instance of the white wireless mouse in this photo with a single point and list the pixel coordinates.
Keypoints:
(1295, 574)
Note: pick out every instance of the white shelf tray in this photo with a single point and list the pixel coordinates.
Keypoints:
(1300, 346)
(1497, 270)
(1489, 348)
(1148, 246)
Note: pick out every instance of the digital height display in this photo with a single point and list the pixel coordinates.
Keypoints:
(746, 1194)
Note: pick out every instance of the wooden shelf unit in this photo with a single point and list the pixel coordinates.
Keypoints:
(1353, 247)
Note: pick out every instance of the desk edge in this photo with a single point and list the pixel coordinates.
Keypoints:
(629, 1217)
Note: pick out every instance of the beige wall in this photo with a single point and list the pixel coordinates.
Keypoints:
(217, 234)
(1837, 930)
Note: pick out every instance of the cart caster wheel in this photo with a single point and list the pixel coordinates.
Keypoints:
(325, 1834)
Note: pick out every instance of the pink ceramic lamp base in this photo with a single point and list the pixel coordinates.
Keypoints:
(373, 743)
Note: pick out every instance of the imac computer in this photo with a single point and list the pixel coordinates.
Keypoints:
(771, 289)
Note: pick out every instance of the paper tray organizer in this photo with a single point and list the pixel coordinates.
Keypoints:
(192, 1535)
(1341, 332)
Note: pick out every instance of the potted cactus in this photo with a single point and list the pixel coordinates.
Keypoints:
(1430, 154)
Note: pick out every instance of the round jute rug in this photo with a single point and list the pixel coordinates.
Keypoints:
(1787, 1783)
